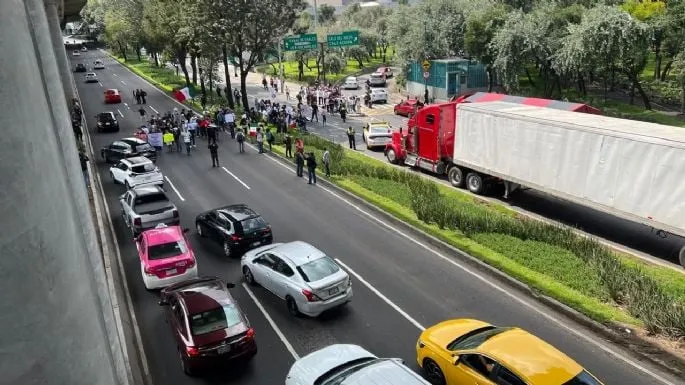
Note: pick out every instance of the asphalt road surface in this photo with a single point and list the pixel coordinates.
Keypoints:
(401, 285)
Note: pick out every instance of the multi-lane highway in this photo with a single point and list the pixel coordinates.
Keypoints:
(401, 284)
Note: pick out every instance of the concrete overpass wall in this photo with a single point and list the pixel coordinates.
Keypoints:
(56, 319)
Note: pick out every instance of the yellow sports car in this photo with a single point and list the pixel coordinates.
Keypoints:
(467, 351)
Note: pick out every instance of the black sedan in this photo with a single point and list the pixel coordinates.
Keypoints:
(80, 68)
(128, 148)
(107, 121)
(237, 228)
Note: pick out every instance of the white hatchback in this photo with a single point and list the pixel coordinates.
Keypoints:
(136, 171)
(308, 280)
(91, 77)
(344, 364)
(379, 95)
(98, 65)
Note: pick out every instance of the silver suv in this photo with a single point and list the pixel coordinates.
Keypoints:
(146, 207)
(350, 364)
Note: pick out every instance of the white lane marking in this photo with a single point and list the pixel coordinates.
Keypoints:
(501, 289)
(236, 178)
(153, 109)
(559, 323)
(175, 189)
(122, 82)
(113, 74)
(381, 296)
(273, 324)
(100, 84)
(119, 111)
(126, 104)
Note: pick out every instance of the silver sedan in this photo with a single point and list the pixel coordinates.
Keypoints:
(307, 279)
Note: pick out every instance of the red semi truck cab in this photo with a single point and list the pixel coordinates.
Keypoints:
(428, 140)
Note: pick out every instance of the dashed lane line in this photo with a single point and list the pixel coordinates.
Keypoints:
(174, 188)
(119, 111)
(236, 178)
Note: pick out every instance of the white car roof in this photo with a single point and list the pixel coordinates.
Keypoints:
(98, 61)
(298, 252)
(134, 139)
(351, 79)
(136, 160)
(378, 90)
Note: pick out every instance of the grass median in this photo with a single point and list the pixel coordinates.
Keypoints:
(579, 272)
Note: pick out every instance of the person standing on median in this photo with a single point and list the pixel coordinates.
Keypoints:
(288, 141)
(311, 168)
(260, 140)
(84, 166)
(299, 163)
(214, 151)
(350, 138)
(327, 162)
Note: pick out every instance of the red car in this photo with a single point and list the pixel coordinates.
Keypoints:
(112, 96)
(384, 71)
(209, 327)
(407, 107)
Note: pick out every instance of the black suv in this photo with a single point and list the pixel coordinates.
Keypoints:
(80, 68)
(107, 122)
(237, 228)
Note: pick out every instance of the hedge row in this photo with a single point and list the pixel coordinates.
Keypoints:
(628, 286)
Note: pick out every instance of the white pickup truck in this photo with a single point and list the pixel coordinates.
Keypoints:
(146, 207)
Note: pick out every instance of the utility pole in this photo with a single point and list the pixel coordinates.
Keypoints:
(280, 64)
(323, 61)
(316, 15)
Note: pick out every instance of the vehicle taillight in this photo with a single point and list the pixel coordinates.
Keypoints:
(250, 333)
(268, 228)
(192, 351)
(191, 263)
(138, 222)
(235, 237)
(175, 213)
(149, 271)
(311, 297)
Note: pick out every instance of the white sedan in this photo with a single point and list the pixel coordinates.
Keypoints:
(136, 171)
(98, 65)
(379, 95)
(351, 83)
(308, 280)
(91, 77)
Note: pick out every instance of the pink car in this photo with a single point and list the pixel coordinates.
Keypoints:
(165, 256)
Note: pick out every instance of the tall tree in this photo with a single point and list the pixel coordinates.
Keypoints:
(260, 25)
(679, 72)
(481, 27)
(326, 14)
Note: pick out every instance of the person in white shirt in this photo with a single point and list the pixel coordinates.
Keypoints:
(187, 137)
(260, 140)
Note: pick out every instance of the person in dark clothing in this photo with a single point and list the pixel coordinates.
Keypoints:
(143, 95)
(78, 132)
(211, 133)
(299, 161)
(214, 151)
(136, 94)
(311, 168)
(240, 137)
(270, 138)
(350, 138)
(84, 166)
(288, 141)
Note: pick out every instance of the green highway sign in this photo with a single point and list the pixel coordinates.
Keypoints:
(300, 42)
(344, 39)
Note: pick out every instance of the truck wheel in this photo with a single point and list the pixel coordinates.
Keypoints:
(682, 257)
(392, 157)
(474, 182)
(456, 176)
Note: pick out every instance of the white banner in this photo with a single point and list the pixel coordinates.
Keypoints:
(155, 139)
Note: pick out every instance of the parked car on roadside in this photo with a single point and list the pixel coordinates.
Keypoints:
(146, 207)
(165, 256)
(237, 228)
(376, 80)
(136, 171)
(127, 148)
(467, 351)
(407, 107)
(344, 364)
(208, 325)
(307, 279)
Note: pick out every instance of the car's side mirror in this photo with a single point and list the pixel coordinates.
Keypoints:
(185, 230)
(230, 285)
(456, 359)
(163, 302)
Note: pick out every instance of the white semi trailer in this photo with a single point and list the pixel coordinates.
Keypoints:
(630, 169)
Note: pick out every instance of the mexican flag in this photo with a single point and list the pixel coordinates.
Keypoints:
(184, 94)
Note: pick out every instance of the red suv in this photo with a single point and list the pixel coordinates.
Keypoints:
(208, 325)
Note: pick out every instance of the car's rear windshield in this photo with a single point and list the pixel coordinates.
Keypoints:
(376, 76)
(378, 130)
(584, 378)
(143, 168)
(150, 198)
(318, 269)
(216, 319)
(250, 225)
(106, 116)
(339, 373)
(143, 147)
(475, 338)
(167, 250)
